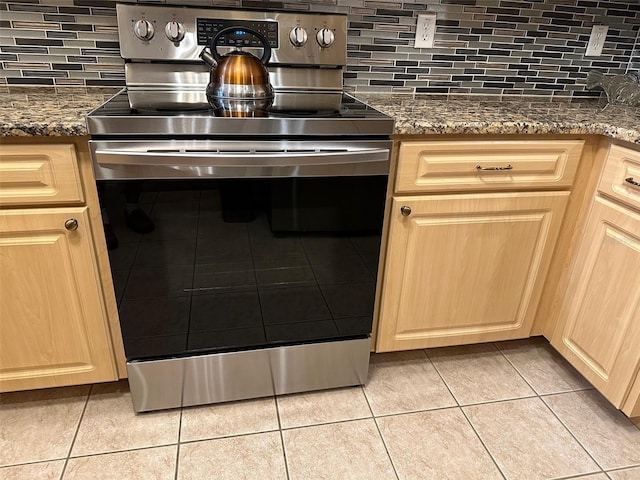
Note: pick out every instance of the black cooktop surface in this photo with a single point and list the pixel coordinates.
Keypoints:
(350, 117)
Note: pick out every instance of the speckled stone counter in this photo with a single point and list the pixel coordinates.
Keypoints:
(37, 114)
(517, 115)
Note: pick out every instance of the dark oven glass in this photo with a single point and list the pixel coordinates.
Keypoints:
(243, 263)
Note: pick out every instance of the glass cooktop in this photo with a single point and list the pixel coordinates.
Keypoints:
(350, 116)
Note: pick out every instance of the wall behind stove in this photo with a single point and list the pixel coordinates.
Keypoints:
(533, 47)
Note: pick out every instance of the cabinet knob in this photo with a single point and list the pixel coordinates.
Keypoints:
(71, 224)
(405, 210)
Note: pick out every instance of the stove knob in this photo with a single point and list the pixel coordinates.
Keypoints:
(174, 31)
(298, 36)
(143, 29)
(325, 37)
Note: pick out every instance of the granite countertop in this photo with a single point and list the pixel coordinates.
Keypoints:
(47, 114)
(37, 114)
(517, 115)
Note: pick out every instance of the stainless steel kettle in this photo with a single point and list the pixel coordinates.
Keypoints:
(239, 81)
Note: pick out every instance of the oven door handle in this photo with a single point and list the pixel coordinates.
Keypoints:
(244, 159)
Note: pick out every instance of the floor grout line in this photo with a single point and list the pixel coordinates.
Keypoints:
(110, 452)
(284, 451)
(571, 433)
(486, 449)
(175, 475)
(384, 444)
(524, 378)
(540, 396)
(435, 368)
(459, 407)
(75, 435)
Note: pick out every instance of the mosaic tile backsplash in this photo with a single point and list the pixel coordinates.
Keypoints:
(488, 47)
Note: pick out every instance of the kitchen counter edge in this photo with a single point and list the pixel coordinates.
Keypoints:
(34, 114)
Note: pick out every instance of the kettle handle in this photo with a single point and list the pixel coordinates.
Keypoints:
(266, 48)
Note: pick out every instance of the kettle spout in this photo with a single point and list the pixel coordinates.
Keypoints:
(207, 58)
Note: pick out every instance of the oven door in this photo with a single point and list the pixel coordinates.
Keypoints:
(163, 159)
(254, 244)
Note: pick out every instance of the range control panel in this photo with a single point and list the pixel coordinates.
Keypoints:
(208, 28)
(173, 33)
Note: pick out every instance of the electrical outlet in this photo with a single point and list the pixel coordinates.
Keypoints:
(425, 30)
(596, 40)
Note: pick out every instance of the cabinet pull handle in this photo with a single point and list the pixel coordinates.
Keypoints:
(632, 182)
(71, 224)
(486, 169)
(405, 210)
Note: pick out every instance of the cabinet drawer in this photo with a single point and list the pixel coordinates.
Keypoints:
(621, 176)
(486, 165)
(39, 174)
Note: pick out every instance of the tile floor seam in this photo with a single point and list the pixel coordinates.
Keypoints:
(75, 435)
(34, 462)
(386, 449)
(435, 367)
(126, 450)
(459, 407)
(175, 472)
(570, 390)
(626, 467)
(486, 449)
(349, 420)
(517, 370)
(620, 469)
(542, 399)
(578, 476)
(284, 451)
(488, 402)
(222, 437)
(329, 422)
(384, 443)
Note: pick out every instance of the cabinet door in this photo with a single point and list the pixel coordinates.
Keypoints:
(601, 333)
(53, 328)
(466, 268)
(39, 174)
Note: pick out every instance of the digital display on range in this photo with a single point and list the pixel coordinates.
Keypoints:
(207, 28)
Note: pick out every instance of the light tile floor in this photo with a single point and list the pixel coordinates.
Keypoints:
(512, 410)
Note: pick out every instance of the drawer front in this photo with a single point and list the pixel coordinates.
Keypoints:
(39, 174)
(621, 176)
(487, 165)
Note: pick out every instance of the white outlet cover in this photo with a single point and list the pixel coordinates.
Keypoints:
(596, 40)
(425, 30)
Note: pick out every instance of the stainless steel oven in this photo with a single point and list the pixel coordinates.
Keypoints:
(258, 276)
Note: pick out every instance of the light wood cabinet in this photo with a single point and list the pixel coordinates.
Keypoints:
(54, 327)
(466, 268)
(631, 406)
(598, 329)
(621, 176)
(39, 175)
(482, 165)
(467, 254)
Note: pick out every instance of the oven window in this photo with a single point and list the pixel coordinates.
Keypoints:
(222, 265)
